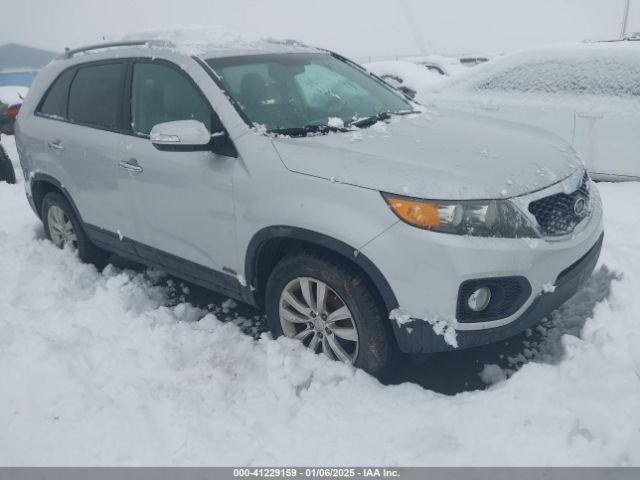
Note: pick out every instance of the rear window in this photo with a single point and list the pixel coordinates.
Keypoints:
(54, 103)
(95, 97)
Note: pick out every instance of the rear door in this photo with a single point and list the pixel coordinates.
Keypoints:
(83, 111)
(184, 198)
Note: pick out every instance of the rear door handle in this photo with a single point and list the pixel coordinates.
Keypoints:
(131, 165)
(56, 145)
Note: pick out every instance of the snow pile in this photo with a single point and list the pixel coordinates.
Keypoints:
(102, 369)
(416, 77)
(13, 94)
(200, 39)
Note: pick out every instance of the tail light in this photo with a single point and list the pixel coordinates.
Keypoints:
(12, 111)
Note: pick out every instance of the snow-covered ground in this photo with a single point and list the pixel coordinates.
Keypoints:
(108, 369)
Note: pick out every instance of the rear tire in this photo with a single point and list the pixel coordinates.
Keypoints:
(63, 228)
(347, 296)
(7, 174)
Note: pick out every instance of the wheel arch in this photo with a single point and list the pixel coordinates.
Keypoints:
(41, 184)
(269, 245)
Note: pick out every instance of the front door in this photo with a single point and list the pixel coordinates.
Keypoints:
(184, 198)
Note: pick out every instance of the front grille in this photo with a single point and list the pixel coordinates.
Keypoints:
(560, 213)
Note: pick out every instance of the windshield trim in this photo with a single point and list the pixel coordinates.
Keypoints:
(230, 60)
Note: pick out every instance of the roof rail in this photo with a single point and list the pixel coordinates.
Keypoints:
(68, 53)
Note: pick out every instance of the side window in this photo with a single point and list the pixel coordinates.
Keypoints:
(161, 94)
(54, 103)
(95, 97)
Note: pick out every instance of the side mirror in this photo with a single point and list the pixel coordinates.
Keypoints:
(191, 136)
(181, 135)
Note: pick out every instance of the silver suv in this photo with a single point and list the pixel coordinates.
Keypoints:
(289, 178)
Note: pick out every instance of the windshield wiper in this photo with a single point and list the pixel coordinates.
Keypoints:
(373, 119)
(304, 130)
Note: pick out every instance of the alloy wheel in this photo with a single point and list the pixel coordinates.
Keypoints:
(61, 228)
(314, 313)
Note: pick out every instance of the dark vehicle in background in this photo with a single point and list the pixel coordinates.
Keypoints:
(7, 174)
(10, 103)
(8, 114)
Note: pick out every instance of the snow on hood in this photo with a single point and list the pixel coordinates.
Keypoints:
(441, 155)
(200, 39)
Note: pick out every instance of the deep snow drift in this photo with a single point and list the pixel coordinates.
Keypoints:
(97, 369)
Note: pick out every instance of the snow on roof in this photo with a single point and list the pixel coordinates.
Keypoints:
(218, 40)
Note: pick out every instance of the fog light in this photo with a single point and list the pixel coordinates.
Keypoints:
(479, 299)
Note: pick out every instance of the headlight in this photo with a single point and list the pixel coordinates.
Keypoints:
(480, 218)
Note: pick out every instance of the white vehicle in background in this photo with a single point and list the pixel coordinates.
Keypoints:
(588, 94)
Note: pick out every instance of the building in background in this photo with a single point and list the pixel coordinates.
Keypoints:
(19, 63)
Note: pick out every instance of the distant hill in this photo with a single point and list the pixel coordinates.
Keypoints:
(13, 55)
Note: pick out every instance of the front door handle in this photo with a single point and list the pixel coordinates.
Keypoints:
(56, 145)
(131, 166)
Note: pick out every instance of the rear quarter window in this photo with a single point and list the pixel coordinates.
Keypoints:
(54, 102)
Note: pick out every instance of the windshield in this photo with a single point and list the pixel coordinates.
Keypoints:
(293, 93)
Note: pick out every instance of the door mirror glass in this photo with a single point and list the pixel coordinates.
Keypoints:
(181, 135)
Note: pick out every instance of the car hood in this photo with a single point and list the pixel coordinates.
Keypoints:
(439, 154)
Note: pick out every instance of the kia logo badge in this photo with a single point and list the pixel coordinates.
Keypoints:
(580, 206)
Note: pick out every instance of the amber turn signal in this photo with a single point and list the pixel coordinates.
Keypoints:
(416, 212)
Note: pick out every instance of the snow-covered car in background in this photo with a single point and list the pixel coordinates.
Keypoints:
(474, 60)
(445, 66)
(588, 94)
(407, 77)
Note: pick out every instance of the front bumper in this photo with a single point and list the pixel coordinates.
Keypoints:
(418, 336)
(426, 269)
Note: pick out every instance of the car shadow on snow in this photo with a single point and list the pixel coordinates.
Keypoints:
(448, 373)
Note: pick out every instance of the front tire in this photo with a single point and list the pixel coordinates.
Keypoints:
(327, 304)
(63, 228)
